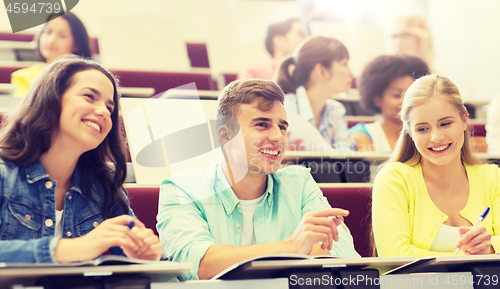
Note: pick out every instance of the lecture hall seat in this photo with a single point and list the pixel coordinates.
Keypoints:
(144, 203)
(357, 200)
(94, 44)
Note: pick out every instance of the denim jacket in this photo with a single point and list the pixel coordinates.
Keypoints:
(27, 216)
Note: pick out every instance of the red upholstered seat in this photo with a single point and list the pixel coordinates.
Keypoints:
(94, 44)
(163, 81)
(6, 71)
(144, 203)
(197, 53)
(230, 77)
(16, 37)
(478, 129)
(357, 200)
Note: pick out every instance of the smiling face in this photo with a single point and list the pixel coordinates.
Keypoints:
(391, 100)
(262, 139)
(340, 76)
(56, 39)
(438, 132)
(87, 105)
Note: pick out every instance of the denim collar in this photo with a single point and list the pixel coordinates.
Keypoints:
(226, 194)
(36, 172)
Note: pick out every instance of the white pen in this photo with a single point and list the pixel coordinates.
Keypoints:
(325, 201)
(481, 218)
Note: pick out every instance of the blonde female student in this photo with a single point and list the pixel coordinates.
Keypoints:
(432, 190)
(62, 169)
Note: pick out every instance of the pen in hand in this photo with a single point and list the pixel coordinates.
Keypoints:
(132, 223)
(323, 199)
(481, 218)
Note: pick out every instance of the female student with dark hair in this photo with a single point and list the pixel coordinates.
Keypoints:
(432, 190)
(62, 35)
(62, 169)
(381, 87)
(311, 76)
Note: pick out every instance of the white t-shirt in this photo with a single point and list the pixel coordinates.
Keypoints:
(446, 239)
(248, 208)
(58, 228)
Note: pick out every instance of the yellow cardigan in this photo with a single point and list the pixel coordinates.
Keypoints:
(23, 78)
(406, 221)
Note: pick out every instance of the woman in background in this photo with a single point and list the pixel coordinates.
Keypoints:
(310, 76)
(432, 189)
(62, 169)
(493, 126)
(62, 35)
(382, 86)
(412, 36)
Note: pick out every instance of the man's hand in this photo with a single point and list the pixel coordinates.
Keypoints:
(316, 227)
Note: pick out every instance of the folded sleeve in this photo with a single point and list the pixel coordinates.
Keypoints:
(183, 230)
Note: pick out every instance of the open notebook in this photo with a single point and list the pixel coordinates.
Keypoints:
(270, 266)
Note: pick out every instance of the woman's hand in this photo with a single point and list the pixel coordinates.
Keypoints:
(110, 233)
(138, 242)
(149, 248)
(475, 241)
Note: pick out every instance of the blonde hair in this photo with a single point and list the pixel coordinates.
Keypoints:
(417, 25)
(421, 91)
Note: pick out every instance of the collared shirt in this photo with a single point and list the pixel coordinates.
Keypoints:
(333, 126)
(27, 216)
(198, 209)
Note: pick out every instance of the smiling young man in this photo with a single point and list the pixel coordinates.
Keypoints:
(245, 206)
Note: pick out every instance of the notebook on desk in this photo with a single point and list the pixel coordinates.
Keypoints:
(445, 263)
(271, 266)
(27, 274)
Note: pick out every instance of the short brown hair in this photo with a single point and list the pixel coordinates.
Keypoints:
(278, 28)
(246, 91)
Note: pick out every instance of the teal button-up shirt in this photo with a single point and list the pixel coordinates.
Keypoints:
(198, 209)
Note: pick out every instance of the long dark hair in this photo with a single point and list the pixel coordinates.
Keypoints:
(29, 129)
(313, 50)
(80, 36)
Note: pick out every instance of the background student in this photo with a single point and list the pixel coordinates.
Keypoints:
(493, 126)
(432, 189)
(65, 34)
(412, 36)
(316, 71)
(281, 39)
(61, 201)
(381, 87)
(245, 206)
